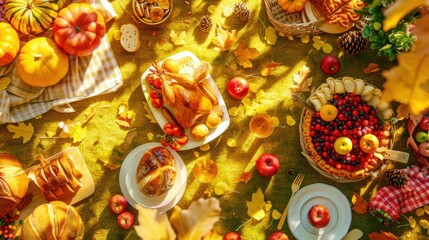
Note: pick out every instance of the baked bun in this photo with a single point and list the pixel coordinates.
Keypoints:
(54, 220)
(156, 171)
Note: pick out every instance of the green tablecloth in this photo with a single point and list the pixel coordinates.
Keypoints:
(104, 134)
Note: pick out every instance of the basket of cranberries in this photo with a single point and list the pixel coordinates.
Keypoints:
(418, 141)
(345, 135)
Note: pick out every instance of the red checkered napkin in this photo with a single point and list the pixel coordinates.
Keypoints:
(396, 201)
(2, 12)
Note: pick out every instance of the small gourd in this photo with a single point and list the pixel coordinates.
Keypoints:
(41, 63)
(9, 44)
(292, 6)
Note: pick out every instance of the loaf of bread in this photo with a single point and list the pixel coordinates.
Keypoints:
(52, 221)
(60, 179)
(156, 171)
(130, 37)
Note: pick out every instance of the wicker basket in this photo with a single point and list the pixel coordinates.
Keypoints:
(290, 24)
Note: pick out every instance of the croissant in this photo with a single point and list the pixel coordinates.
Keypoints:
(156, 171)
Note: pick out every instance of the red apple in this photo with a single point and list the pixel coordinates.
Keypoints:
(330, 64)
(125, 220)
(319, 216)
(232, 236)
(278, 236)
(238, 87)
(424, 149)
(424, 124)
(267, 165)
(118, 203)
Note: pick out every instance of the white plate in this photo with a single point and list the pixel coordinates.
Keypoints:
(313, 16)
(130, 189)
(214, 133)
(333, 199)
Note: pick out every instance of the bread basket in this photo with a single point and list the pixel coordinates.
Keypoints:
(313, 163)
(142, 10)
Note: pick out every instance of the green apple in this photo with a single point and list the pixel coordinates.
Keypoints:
(343, 145)
(422, 137)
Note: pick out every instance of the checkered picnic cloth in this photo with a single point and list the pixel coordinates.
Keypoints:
(88, 76)
(390, 202)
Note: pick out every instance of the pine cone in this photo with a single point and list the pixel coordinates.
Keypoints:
(205, 23)
(242, 11)
(352, 42)
(396, 178)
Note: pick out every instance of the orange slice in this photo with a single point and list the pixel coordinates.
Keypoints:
(156, 14)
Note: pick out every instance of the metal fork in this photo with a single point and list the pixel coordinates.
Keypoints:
(295, 186)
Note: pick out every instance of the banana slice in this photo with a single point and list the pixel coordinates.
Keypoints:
(387, 113)
(339, 86)
(377, 92)
(321, 96)
(359, 86)
(367, 90)
(326, 90)
(330, 82)
(316, 102)
(383, 106)
(349, 84)
(374, 101)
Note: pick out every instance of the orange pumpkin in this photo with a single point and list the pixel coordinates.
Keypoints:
(9, 44)
(42, 63)
(292, 5)
(79, 29)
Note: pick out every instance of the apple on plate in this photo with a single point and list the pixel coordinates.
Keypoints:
(424, 124)
(267, 165)
(232, 236)
(118, 203)
(369, 143)
(278, 236)
(319, 216)
(424, 149)
(328, 112)
(330, 64)
(238, 87)
(343, 145)
(421, 137)
(125, 220)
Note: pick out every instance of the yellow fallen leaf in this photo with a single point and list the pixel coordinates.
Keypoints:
(253, 87)
(255, 207)
(274, 122)
(290, 37)
(233, 111)
(271, 35)
(205, 147)
(153, 225)
(426, 208)
(4, 82)
(178, 39)
(412, 221)
(50, 133)
(318, 45)
(74, 130)
(268, 205)
(196, 154)
(424, 223)
(227, 11)
(305, 38)
(245, 177)
(125, 117)
(207, 193)
(246, 101)
(224, 39)
(231, 142)
(327, 48)
(276, 215)
(398, 10)
(372, 67)
(301, 80)
(220, 188)
(267, 69)
(117, 35)
(21, 130)
(212, 236)
(316, 38)
(290, 120)
(420, 212)
(212, 8)
(244, 55)
(150, 136)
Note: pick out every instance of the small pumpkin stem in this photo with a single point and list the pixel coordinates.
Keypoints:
(30, 4)
(77, 28)
(37, 57)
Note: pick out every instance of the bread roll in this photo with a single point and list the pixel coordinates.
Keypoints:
(130, 37)
(156, 171)
(53, 221)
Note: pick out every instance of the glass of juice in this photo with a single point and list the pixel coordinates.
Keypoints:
(260, 125)
(205, 170)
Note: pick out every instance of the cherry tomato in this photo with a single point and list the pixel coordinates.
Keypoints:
(182, 139)
(176, 130)
(157, 83)
(164, 142)
(154, 94)
(175, 145)
(157, 102)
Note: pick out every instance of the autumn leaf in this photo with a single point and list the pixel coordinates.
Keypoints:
(231, 142)
(224, 39)
(153, 225)
(198, 220)
(382, 236)
(74, 130)
(220, 188)
(21, 130)
(212, 236)
(271, 35)
(408, 82)
(178, 39)
(359, 204)
(245, 177)
(125, 117)
(255, 207)
(244, 55)
(372, 67)
(301, 81)
(290, 120)
(267, 69)
(398, 10)
(403, 111)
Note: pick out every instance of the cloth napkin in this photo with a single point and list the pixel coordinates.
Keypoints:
(390, 202)
(88, 76)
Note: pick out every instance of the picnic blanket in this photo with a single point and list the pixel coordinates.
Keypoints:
(88, 76)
